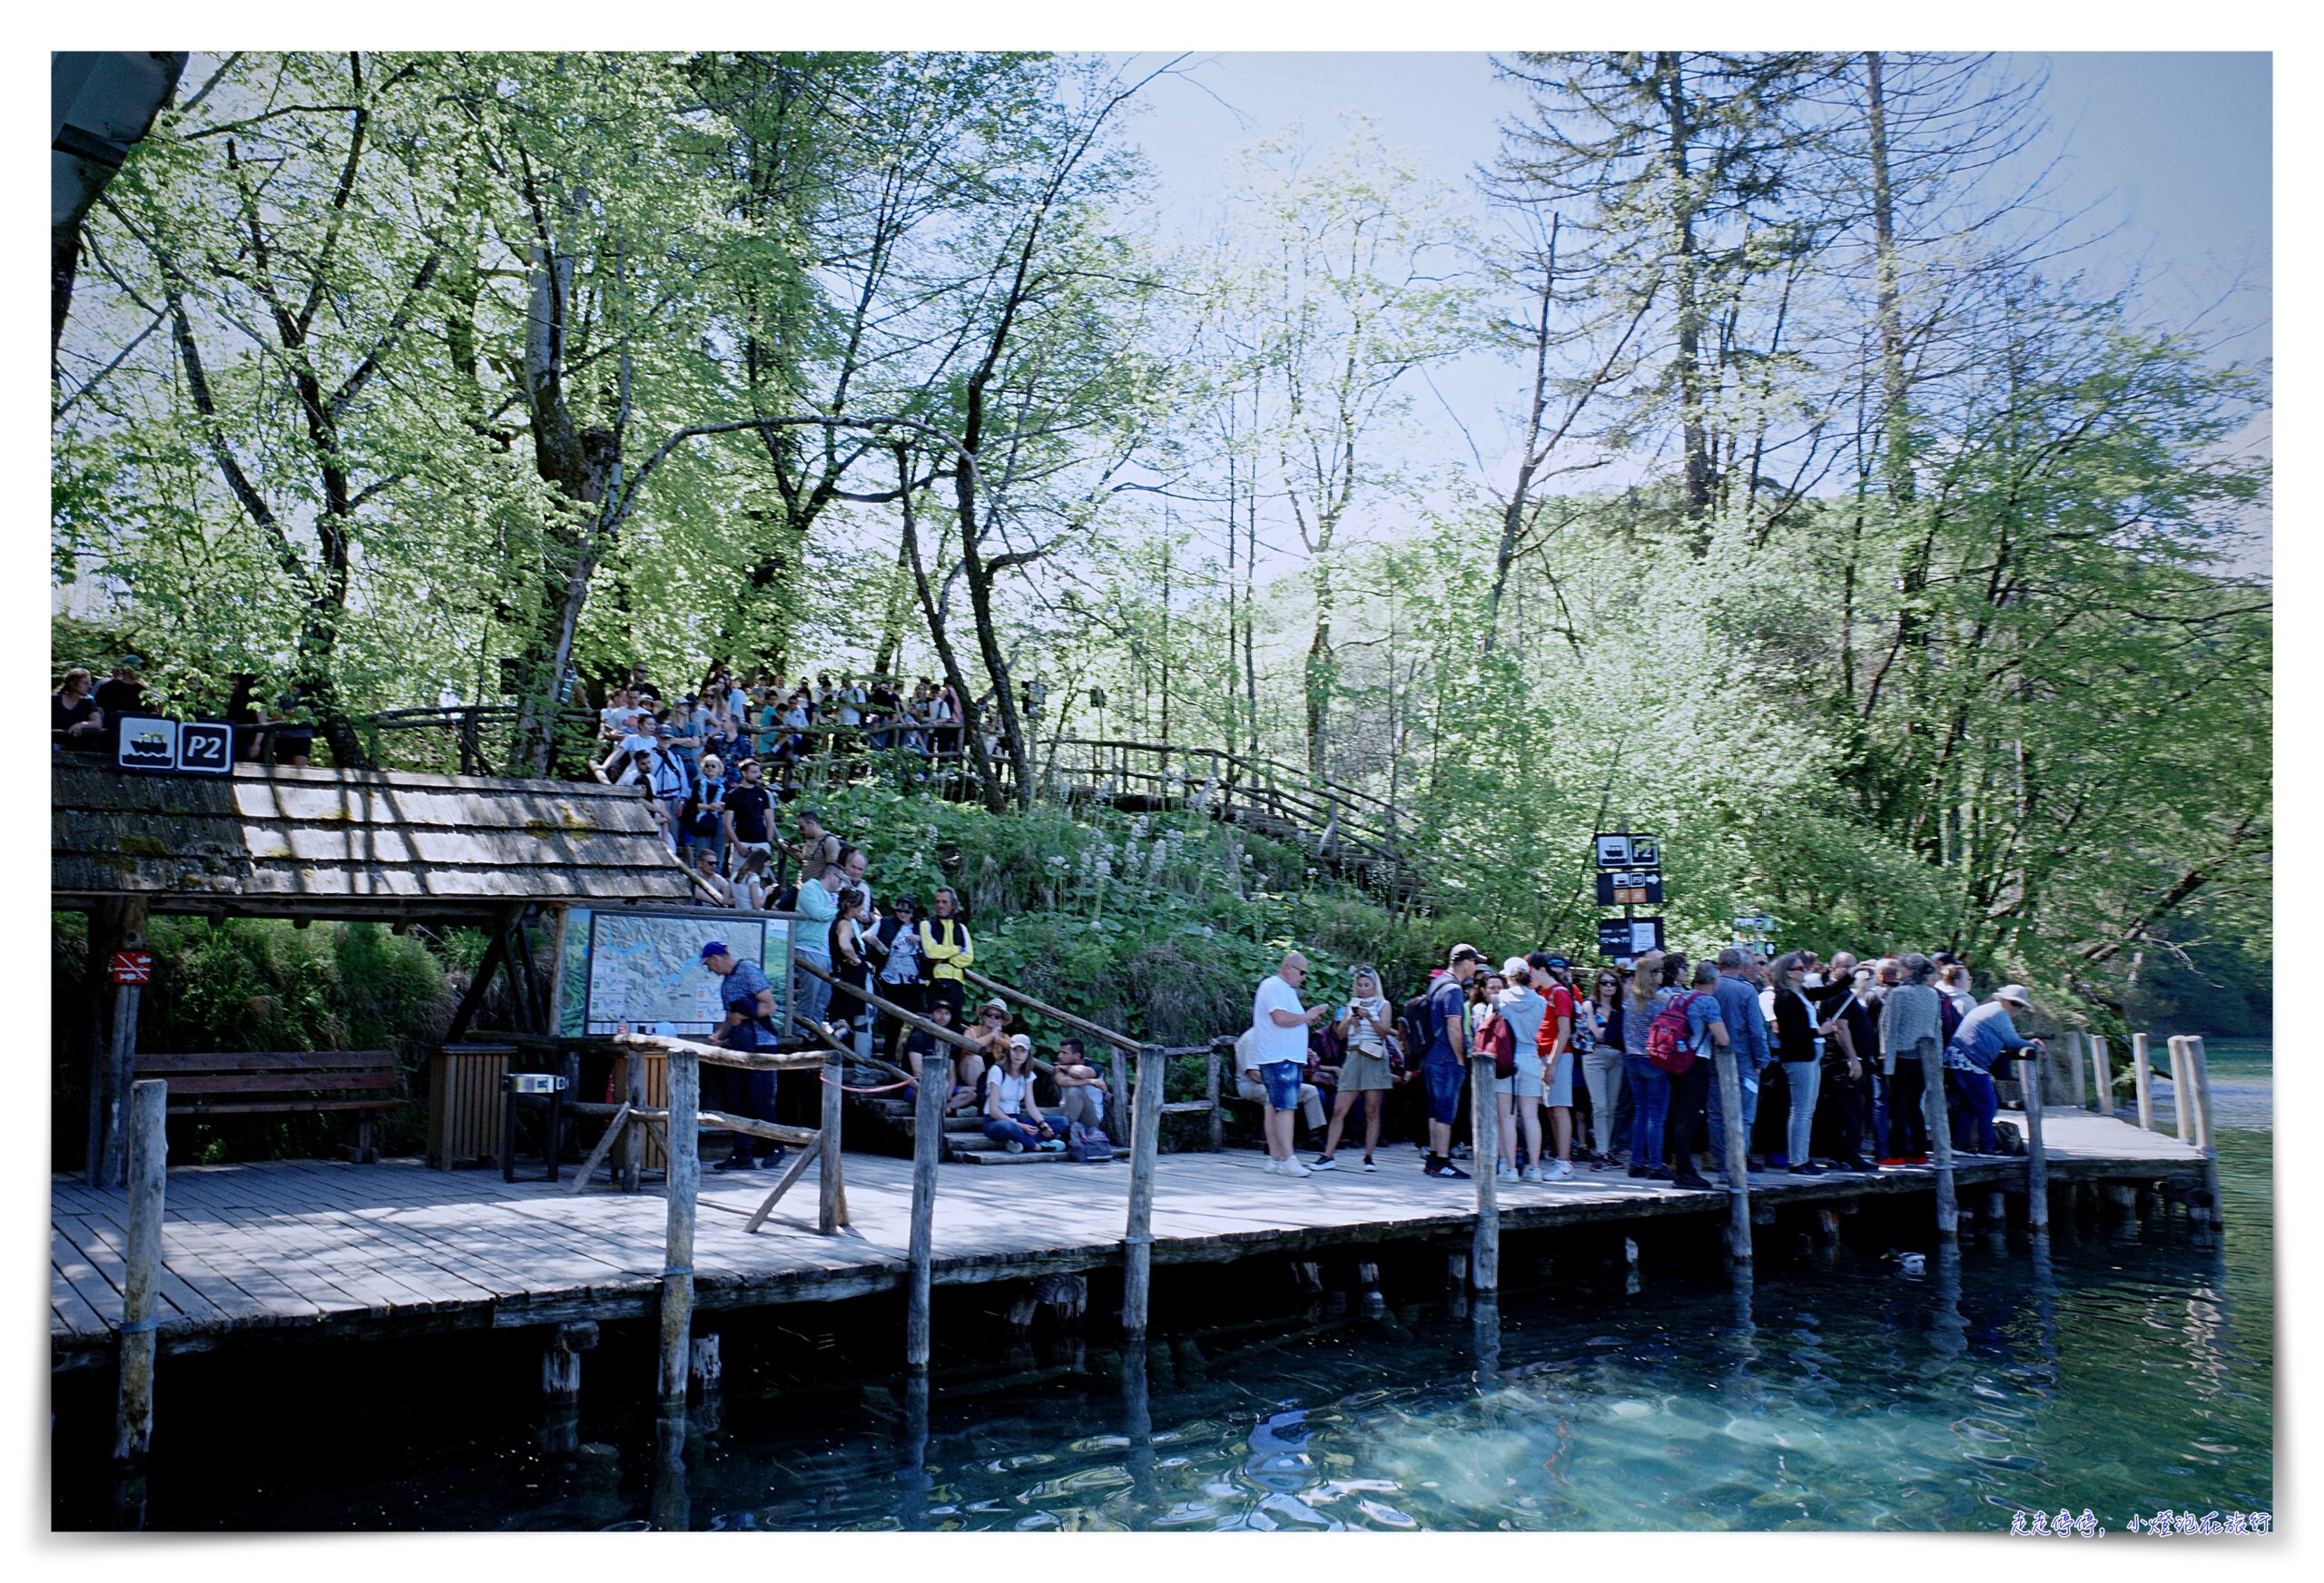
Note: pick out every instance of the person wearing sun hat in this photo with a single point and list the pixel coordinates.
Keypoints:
(1985, 1036)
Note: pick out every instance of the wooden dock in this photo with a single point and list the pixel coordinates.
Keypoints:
(332, 1250)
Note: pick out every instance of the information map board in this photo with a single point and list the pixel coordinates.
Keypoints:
(643, 969)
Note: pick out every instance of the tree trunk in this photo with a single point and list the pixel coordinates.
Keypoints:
(1691, 419)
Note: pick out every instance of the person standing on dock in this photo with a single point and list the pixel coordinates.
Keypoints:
(749, 999)
(1909, 1025)
(1279, 1026)
(1445, 1067)
(1746, 1031)
(1554, 1041)
(1519, 1096)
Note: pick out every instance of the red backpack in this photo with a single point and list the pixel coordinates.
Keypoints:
(1496, 1038)
(1665, 1037)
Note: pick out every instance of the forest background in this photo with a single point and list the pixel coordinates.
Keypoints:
(1838, 524)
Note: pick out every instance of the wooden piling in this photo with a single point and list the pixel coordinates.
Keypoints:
(2037, 1161)
(2074, 1042)
(1940, 1143)
(147, 1167)
(2179, 1101)
(2206, 1126)
(2142, 1082)
(2102, 1071)
(927, 1153)
(1739, 1173)
(1484, 1146)
(1119, 1081)
(683, 1178)
(1138, 1236)
(831, 1204)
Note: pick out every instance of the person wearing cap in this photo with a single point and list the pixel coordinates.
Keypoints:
(989, 1033)
(1554, 974)
(1518, 1097)
(749, 1000)
(1445, 1067)
(1277, 1059)
(1985, 1036)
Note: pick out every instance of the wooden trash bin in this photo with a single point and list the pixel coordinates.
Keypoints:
(657, 1097)
(464, 1105)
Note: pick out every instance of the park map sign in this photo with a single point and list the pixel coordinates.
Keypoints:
(642, 970)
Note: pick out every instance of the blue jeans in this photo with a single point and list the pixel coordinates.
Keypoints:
(1802, 1078)
(1283, 1079)
(810, 998)
(1973, 1104)
(1023, 1129)
(1746, 1079)
(1444, 1080)
(1649, 1086)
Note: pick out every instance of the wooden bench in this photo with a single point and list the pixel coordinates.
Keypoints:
(241, 1083)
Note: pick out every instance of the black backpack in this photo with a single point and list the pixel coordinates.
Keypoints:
(1417, 1039)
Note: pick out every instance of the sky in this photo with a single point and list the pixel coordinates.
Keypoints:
(2165, 157)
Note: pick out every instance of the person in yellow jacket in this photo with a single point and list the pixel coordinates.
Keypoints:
(945, 948)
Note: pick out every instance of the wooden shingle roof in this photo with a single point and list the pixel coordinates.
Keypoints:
(328, 843)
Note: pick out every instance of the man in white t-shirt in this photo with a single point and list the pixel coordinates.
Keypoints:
(1279, 1026)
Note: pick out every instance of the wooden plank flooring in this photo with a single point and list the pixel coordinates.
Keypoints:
(359, 1251)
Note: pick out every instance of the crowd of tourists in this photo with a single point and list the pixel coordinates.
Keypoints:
(1829, 1057)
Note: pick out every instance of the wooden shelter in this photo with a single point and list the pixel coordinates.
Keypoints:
(358, 846)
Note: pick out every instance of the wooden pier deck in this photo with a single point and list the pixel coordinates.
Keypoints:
(330, 1250)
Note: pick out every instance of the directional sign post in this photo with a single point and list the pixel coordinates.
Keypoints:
(1627, 938)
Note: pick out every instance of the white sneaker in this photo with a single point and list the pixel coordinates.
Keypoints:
(1533, 1173)
(1292, 1168)
(1507, 1172)
(1560, 1171)
(1271, 1165)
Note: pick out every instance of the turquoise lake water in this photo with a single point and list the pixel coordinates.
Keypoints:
(2133, 1372)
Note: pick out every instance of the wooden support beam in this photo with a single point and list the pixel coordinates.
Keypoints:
(147, 1110)
(495, 952)
(1738, 1161)
(1940, 1143)
(791, 1174)
(2037, 1159)
(2102, 1073)
(1484, 1144)
(927, 1153)
(2206, 1133)
(111, 1082)
(2142, 1082)
(2179, 1087)
(830, 1208)
(685, 1180)
(1211, 1065)
(1137, 1235)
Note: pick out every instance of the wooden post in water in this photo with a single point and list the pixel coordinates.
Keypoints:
(2179, 1084)
(684, 1177)
(1138, 1236)
(1940, 1143)
(2037, 1163)
(1484, 1146)
(831, 1202)
(927, 1153)
(132, 1424)
(1739, 1151)
(2207, 1123)
(2102, 1072)
(2142, 1082)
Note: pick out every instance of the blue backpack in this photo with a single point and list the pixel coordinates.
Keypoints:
(1088, 1145)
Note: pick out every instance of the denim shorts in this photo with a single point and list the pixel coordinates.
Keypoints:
(1444, 1080)
(1283, 1079)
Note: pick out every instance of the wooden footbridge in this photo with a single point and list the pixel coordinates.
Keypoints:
(147, 1262)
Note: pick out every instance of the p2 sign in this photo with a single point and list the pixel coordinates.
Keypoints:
(190, 747)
